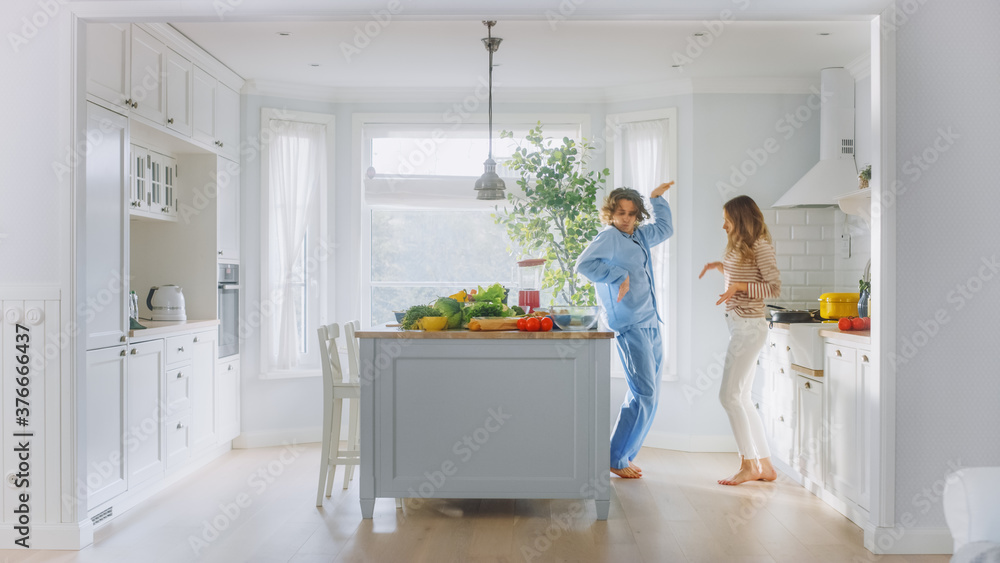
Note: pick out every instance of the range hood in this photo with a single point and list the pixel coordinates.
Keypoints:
(836, 171)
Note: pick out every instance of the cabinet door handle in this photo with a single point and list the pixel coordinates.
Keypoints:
(864, 358)
(808, 386)
(230, 367)
(838, 353)
(180, 375)
(196, 339)
(170, 121)
(180, 348)
(788, 348)
(756, 406)
(122, 339)
(133, 351)
(781, 370)
(122, 353)
(220, 253)
(781, 419)
(128, 102)
(180, 425)
(135, 105)
(772, 345)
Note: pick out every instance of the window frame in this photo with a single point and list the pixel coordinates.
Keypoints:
(361, 157)
(327, 269)
(613, 122)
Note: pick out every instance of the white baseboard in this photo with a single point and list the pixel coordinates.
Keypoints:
(270, 438)
(49, 536)
(909, 541)
(689, 443)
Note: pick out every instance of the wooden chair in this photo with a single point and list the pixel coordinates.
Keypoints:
(335, 391)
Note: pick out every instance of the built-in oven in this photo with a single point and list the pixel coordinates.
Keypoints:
(229, 310)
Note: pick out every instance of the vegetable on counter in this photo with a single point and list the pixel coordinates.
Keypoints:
(417, 312)
(495, 293)
(452, 309)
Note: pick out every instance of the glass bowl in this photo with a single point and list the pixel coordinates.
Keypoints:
(574, 318)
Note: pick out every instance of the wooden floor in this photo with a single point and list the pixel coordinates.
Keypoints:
(675, 513)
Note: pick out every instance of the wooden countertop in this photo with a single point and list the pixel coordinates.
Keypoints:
(385, 332)
(858, 336)
(159, 329)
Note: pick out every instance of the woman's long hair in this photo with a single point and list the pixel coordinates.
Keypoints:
(748, 227)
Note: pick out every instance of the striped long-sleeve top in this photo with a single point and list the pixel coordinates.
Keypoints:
(762, 277)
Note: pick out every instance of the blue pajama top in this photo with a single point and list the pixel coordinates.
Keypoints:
(613, 255)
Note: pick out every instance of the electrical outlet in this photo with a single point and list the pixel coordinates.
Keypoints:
(844, 246)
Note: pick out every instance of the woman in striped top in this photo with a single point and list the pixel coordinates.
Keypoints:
(751, 275)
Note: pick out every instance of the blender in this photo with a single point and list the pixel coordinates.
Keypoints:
(529, 283)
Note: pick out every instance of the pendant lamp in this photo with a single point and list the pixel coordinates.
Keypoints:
(489, 185)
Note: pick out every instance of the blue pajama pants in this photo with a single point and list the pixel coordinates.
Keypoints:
(641, 351)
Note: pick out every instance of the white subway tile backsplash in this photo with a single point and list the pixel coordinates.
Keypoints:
(823, 279)
(808, 262)
(789, 247)
(829, 232)
(783, 262)
(801, 232)
(793, 277)
(791, 216)
(819, 247)
(819, 216)
(806, 294)
(830, 262)
(779, 232)
(769, 218)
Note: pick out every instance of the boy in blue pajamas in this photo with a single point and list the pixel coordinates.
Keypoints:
(619, 262)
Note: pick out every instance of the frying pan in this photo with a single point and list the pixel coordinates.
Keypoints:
(783, 315)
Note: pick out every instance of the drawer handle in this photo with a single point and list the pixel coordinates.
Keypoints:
(772, 345)
(782, 370)
(180, 425)
(838, 353)
(196, 339)
(123, 353)
(122, 339)
(788, 348)
(133, 352)
(170, 120)
(808, 386)
(781, 419)
(230, 368)
(180, 375)
(181, 349)
(756, 406)
(864, 358)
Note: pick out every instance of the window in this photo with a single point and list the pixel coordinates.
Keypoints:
(296, 255)
(642, 156)
(427, 234)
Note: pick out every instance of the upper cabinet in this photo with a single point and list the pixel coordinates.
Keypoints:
(149, 61)
(151, 72)
(109, 46)
(180, 81)
(216, 114)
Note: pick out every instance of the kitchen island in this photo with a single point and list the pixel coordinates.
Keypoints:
(504, 414)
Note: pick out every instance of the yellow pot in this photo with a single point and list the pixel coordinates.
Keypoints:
(837, 305)
(433, 323)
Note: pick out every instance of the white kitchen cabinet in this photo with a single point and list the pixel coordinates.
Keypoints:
(105, 430)
(227, 121)
(139, 162)
(809, 428)
(105, 310)
(179, 90)
(868, 388)
(109, 48)
(216, 119)
(203, 385)
(203, 102)
(783, 416)
(228, 203)
(148, 65)
(153, 181)
(843, 394)
(227, 399)
(144, 440)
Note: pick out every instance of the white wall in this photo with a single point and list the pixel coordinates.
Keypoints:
(947, 393)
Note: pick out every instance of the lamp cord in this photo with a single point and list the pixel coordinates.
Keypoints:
(489, 47)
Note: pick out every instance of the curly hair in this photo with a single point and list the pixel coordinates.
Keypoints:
(618, 194)
(748, 227)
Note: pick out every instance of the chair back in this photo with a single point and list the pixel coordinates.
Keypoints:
(330, 356)
(353, 350)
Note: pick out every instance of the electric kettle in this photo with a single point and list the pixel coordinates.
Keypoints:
(166, 302)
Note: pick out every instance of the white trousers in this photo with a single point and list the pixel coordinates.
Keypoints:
(746, 338)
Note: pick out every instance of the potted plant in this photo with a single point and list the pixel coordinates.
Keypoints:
(864, 177)
(557, 216)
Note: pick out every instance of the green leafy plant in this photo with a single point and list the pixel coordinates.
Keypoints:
(557, 216)
(866, 173)
(417, 312)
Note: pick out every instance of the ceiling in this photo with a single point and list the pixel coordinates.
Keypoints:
(550, 53)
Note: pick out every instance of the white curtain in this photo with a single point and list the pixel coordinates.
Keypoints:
(296, 170)
(646, 163)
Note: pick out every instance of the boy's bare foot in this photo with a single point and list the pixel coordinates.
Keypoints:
(626, 473)
(635, 468)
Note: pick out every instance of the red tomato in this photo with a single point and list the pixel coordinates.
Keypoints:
(546, 324)
(520, 323)
(844, 323)
(857, 323)
(868, 323)
(532, 324)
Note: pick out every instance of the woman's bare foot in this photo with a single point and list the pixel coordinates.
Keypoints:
(741, 476)
(626, 473)
(635, 468)
(767, 472)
